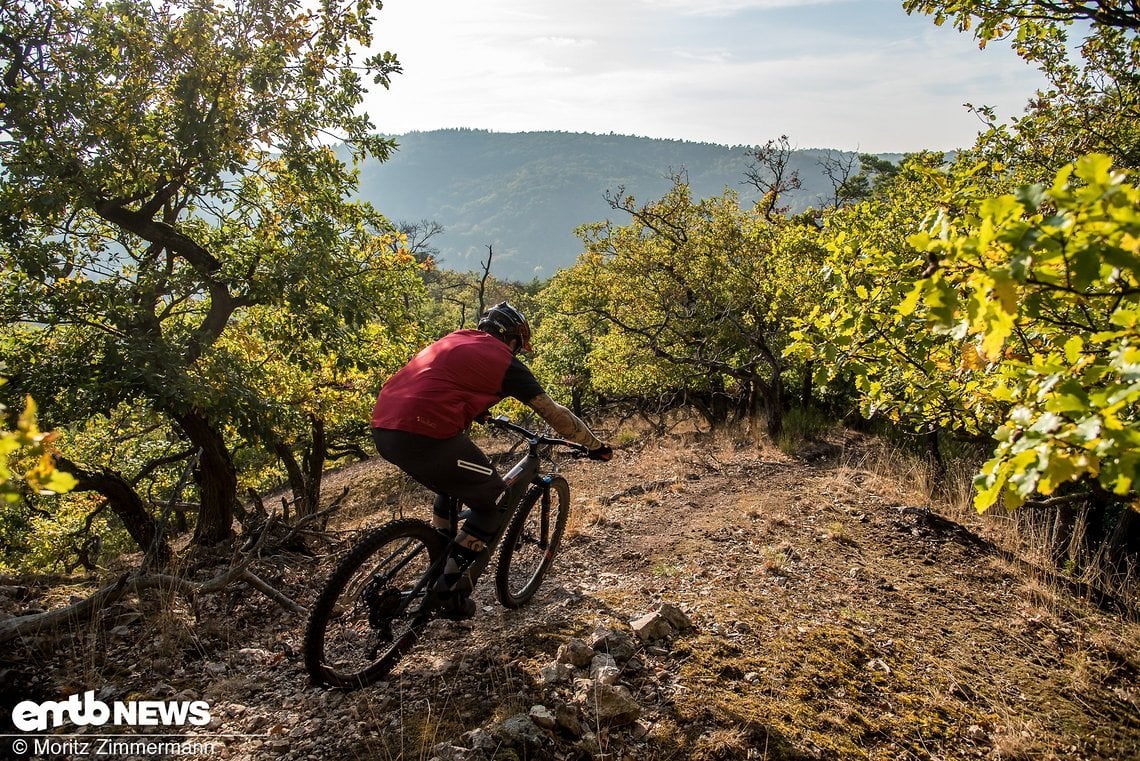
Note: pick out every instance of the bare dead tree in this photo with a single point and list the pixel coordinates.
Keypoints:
(471, 282)
(481, 289)
(419, 238)
(842, 173)
(771, 173)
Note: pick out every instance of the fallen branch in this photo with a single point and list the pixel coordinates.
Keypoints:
(85, 610)
(80, 612)
(1059, 501)
(255, 581)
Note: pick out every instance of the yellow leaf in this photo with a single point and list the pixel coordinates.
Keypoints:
(910, 303)
(999, 327)
(1073, 349)
(1006, 292)
(971, 359)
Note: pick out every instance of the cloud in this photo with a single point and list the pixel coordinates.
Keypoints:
(843, 75)
(729, 7)
(566, 42)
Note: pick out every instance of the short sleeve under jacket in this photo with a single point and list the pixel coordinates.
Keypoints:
(444, 387)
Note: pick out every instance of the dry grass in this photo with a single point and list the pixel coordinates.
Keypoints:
(901, 477)
(585, 516)
(1042, 613)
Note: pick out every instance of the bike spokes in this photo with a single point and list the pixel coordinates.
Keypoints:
(374, 606)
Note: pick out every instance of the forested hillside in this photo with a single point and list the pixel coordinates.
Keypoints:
(524, 194)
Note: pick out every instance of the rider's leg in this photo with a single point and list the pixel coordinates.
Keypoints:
(441, 513)
(472, 538)
(457, 467)
(454, 466)
(482, 522)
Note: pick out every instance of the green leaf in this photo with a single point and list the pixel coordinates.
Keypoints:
(1031, 196)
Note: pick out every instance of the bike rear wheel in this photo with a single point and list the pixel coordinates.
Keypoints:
(532, 541)
(375, 605)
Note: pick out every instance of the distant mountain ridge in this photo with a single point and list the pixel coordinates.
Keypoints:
(525, 193)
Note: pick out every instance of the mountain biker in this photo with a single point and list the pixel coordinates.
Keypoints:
(420, 419)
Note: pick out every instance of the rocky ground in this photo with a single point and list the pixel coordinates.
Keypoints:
(713, 600)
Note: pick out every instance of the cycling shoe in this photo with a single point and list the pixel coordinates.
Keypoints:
(454, 605)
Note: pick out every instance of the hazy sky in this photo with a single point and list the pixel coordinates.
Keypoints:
(850, 74)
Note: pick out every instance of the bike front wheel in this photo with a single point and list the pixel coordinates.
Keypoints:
(375, 605)
(532, 541)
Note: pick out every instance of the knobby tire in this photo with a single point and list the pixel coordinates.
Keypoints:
(366, 618)
(531, 542)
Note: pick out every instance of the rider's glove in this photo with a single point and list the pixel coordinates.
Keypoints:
(604, 453)
(483, 418)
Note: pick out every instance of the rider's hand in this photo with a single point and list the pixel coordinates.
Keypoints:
(604, 453)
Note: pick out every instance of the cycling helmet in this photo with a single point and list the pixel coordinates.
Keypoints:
(505, 322)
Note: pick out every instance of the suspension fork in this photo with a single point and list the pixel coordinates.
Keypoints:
(544, 512)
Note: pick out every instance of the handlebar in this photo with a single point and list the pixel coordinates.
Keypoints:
(536, 439)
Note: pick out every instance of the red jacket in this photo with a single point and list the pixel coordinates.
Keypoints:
(443, 388)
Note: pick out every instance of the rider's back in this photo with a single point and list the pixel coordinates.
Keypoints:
(444, 387)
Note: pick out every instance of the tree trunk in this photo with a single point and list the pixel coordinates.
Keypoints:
(807, 388)
(770, 398)
(126, 504)
(774, 405)
(216, 478)
(937, 461)
(719, 402)
(315, 467)
(1061, 534)
(292, 470)
(714, 404)
(1124, 544)
(576, 400)
(305, 480)
(743, 403)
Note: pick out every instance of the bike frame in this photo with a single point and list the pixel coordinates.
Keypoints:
(519, 478)
(522, 475)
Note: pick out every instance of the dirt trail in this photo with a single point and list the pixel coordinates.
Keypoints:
(831, 618)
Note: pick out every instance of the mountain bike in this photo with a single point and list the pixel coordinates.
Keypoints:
(381, 599)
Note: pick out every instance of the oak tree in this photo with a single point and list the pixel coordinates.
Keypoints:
(167, 167)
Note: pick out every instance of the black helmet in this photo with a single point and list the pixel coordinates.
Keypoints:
(505, 322)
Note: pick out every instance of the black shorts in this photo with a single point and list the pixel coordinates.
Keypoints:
(454, 466)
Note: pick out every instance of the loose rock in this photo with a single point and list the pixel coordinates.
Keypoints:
(604, 669)
(576, 653)
(618, 644)
(608, 704)
(542, 717)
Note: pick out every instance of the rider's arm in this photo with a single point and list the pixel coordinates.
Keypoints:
(568, 425)
(520, 383)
